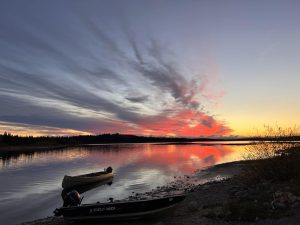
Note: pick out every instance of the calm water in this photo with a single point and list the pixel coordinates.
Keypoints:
(31, 183)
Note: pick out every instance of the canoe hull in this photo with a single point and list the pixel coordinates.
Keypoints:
(75, 181)
(130, 210)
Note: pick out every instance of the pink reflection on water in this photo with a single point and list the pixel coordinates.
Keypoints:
(174, 158)
(183, 158)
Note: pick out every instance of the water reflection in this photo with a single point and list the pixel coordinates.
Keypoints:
(84, 188)
(33, 179)
(187, 158)
(20, 159)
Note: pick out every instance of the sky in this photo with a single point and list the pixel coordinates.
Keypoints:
(163, 68)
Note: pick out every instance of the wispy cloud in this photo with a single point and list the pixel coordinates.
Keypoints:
(73, 75)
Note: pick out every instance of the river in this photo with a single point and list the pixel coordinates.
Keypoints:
(31, 182)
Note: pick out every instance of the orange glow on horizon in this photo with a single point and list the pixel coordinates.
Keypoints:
(186, 123)
(189, 124)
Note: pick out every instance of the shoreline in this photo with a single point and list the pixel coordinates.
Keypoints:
(202, 206)
(33, 148)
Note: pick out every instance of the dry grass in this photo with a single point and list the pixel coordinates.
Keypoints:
(275, 157)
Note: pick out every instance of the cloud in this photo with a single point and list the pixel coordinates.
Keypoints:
(164, 75)
(62, 69)
(185, 123)
(26, 129)
(138, 99)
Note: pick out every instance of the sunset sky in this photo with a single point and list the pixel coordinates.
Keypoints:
(176, 68)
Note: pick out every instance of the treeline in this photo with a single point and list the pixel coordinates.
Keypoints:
(8, 139)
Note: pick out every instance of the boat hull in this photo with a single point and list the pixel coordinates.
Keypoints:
(130, 210)
(74, 181)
